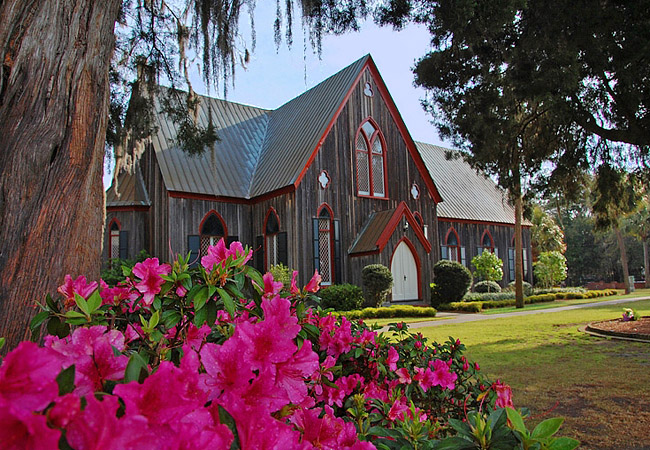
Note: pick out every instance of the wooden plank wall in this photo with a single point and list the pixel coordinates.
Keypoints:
(157, 224)
(134, 223)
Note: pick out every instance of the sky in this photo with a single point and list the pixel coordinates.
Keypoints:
(272, 77)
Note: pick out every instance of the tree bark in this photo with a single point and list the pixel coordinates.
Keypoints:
(54, 95)
(519, 263)
(646, 261)
(621, 247)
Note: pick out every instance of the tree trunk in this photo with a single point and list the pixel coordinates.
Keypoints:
(621, 247)
(54, 95)
(519, 263)
(646, 261)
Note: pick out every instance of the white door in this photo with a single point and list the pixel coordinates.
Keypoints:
(405, 274)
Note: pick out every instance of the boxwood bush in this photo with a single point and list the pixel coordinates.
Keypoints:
(451, 282)
(528, 288)
(377, 280)
(388, 312)
(487, 286)
(341, 297)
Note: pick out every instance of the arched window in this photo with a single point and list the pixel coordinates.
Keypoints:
(114, 240)
(452, 250)
(487, 243)
(370, 160)
(275, 241)
(325, 243)
(212, 229)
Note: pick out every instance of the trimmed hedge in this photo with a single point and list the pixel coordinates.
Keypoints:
(451, 281)
(388, 312)
(478, 306)
(487, 286)
(341, 297)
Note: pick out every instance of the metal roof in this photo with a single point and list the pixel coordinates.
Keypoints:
(366, 240)
(467, 195)
(258, 151)
(128, 191)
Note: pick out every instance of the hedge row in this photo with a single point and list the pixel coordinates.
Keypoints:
(478, 306)
(389, 312)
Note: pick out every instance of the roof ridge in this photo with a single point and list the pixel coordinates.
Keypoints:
(259, 154)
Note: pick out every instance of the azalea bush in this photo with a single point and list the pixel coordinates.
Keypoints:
(215, 357)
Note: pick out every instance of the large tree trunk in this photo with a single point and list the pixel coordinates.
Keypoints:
(54, 96)
(621, 247)
(646, 261)
(519, 253)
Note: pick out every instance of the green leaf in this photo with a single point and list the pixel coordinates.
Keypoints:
(200, 317)
(517, 421)
(75, 315)
(82, 304)
(254, 274)
(200, 298)
(211, 313)
(51, 303)
(227, 301)
(94, 301)
(2, 342)
(455, 443)
(157, 304)
(38, 320)
(65, 380)
(126, 271)
(155, 319)
(135, 368)
(226, 419)
(170, 318)
(564, 443)
(57, 328)
(547, 428)
(234, 291)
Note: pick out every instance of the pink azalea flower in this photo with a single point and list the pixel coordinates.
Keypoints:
(314, 283)
(476, 366)
(218, 254)
(79, 286)
(392, 358)
(149, 272)
(28, 377)
(271, 287)
(294, 286)
(403, 376)
(65, 409)
(116, 295)
(425, 377)
(398, 410)
(21, 429)
(504, 395)
(442, 376)
(291, 374)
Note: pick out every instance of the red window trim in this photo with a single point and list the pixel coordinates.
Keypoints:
(223, 222)
(492, 247)
(457, 246)
(114, 220)
(377, 134)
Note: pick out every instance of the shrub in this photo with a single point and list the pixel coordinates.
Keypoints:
(114, 271)
(462, 306)
(487, 286)
(550, 268)
(488, 266)
(451, 282)
(388, 312)
(282, 274)
(528, 288)
(341, 297)
(125, 363)
(488, 296)
(377, 281)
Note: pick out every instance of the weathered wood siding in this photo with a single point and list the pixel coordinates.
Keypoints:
(470, 235)
(133, 222)
(157, 224)
(337, 157)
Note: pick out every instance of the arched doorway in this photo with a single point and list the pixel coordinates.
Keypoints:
(405, 273)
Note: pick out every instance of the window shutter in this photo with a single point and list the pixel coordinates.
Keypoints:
(283, 253)
(124, 244)
(259, 253)
(511, 263)
(524, 255)
(194, 246)
(231, 239)
(463, 260)
(444, 252)
(337, 251)
(496, 251)
(315, 244)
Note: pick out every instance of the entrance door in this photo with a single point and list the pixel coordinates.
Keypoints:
(405, 274)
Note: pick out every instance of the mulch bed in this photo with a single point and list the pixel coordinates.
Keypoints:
(638, 329)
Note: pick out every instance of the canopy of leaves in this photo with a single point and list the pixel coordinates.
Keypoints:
(488, 266)
(550, 269)
(546, 235)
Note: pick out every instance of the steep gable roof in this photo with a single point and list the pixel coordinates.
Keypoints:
(264, 151)
(468, 195)
(129, 191)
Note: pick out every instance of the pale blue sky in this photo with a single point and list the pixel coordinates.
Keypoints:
(273, 78)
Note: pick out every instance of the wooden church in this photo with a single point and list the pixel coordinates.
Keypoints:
(331, 180)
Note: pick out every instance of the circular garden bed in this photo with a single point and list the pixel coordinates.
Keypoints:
(632, 329)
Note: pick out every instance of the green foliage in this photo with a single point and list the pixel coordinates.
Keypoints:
(341, 297)
(377, 281)
(485, 296)
(487, 286)
(479, 302)
(282, 274)
(488, 267)
(114, 271)
(546, 235)
(391, 311)
(550, 269)
(451, 282)
(528, 288)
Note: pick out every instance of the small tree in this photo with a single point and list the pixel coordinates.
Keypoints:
(451, 282)
(488, 267)
(550, 268)
(377, 280)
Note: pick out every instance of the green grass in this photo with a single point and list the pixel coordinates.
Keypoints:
(601, 386)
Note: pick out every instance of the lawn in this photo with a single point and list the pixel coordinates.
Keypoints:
(601, 386)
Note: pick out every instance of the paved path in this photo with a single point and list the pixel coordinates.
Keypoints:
(463, 317)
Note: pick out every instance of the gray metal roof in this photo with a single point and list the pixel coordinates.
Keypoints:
(129, 190)
(258, 151)
(467, 195)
